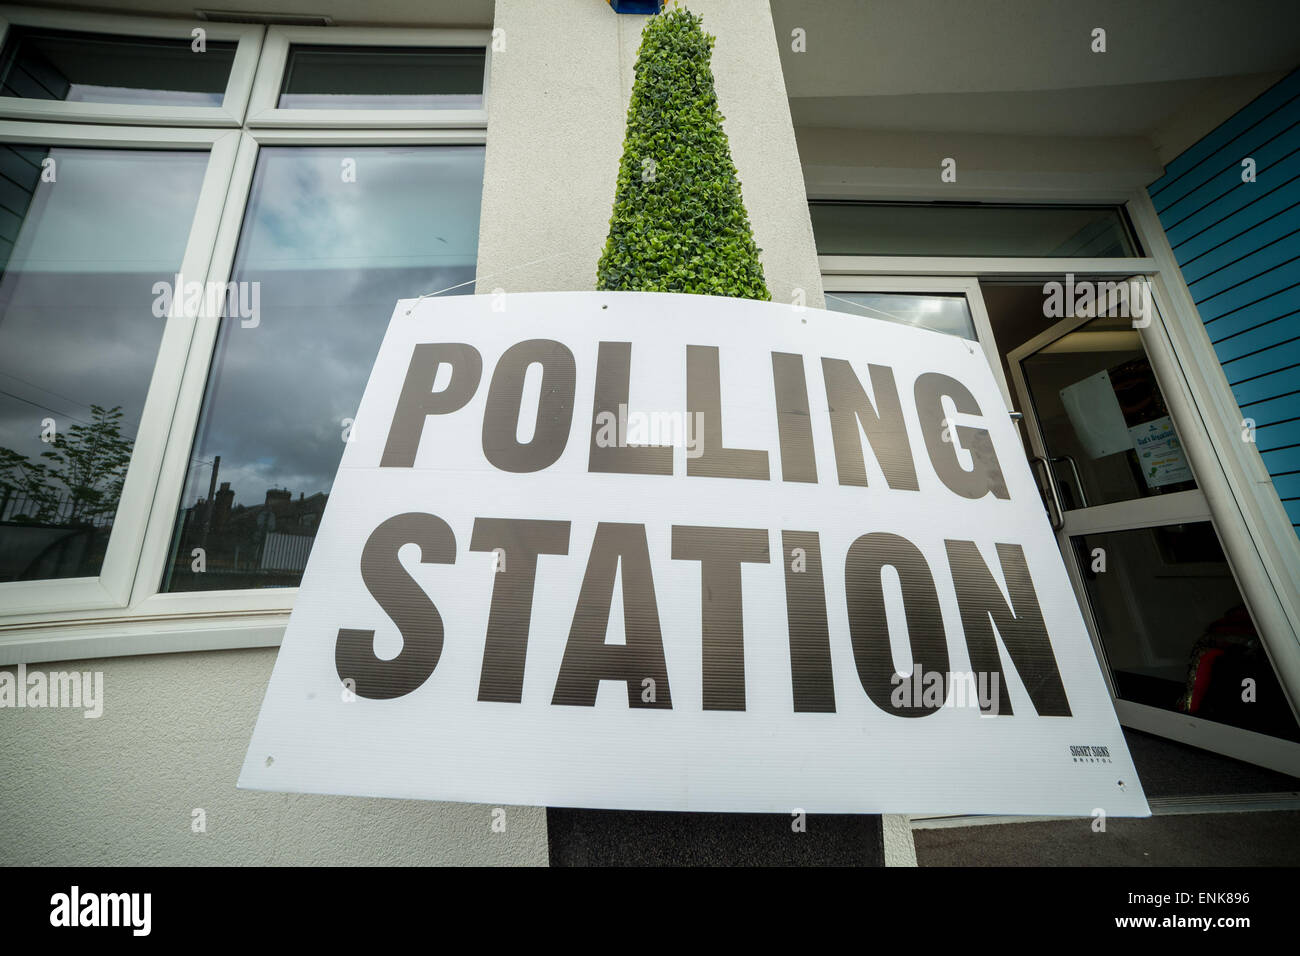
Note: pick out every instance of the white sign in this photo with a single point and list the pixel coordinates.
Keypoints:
(1160, 453)
(674, 552)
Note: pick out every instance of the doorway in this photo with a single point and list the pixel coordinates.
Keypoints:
(1175, 638)
(1177, 641)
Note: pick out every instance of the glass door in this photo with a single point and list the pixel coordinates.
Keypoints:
(1176, 640)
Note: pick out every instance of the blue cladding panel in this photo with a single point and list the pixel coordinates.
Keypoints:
(1274, 151)
(1293, 510)
(1241, 272)
(1258, 364)
(1277, 384)
(1288, 486)
(1280, 436)
(1273, 205)
(1230, 251)
(1282, 461)
(1243, 319)
(1282, 280)
(1272, 410)
(1238, 245)
(1268, 335)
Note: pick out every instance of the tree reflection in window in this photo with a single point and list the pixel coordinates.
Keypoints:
(85, 235)
(66, 499)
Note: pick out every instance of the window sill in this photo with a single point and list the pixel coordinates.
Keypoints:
(63, 641)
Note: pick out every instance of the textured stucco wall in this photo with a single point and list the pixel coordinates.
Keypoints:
(557, 109)
(121, 789)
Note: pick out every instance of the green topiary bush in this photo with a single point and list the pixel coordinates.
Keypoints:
(679, 223)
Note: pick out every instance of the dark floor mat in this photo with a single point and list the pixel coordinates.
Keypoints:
(1211, 839)
(1170, 769)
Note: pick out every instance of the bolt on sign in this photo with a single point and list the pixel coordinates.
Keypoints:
(674, 552)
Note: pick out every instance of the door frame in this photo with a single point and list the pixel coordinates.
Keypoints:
(1178, 508)
(1244, 506)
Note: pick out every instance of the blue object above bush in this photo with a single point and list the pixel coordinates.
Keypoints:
(636, 6)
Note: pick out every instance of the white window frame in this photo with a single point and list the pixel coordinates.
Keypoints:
(123, 611)
(233, 103)
(112, 587)
(147, 600)
(967, 286)
(263, 111)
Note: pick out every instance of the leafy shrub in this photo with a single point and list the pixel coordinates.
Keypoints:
(679, 223)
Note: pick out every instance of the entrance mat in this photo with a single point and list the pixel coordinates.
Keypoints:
(1170, 769)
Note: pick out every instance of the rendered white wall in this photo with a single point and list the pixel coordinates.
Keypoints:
(121, 789)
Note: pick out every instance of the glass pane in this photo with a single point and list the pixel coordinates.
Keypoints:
(1175, 630)
(84, 236)
(941, 313)
(357, 78)
(93, 68)
(948, 229)
(332, 238)
(1103, 419)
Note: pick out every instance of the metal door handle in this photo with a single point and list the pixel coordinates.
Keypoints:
(1055, 513)
(1078, 482)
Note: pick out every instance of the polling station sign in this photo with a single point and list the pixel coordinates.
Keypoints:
(670, 552)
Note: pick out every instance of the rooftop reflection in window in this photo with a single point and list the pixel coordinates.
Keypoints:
(352, 78)
(968, 229)
(100, 68)
(940, 313)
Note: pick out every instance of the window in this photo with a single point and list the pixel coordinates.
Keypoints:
(1098, 405)
(1176, 631)
(969, 229)
(190, 301)
(78, 339)
(96, 68)
(319, 77)
(940, 313)
(142, 71)
(325, 257)
(352, 79)
(951, 306)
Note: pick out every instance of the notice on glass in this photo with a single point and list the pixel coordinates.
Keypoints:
(1160, 453)
(1096, 416)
